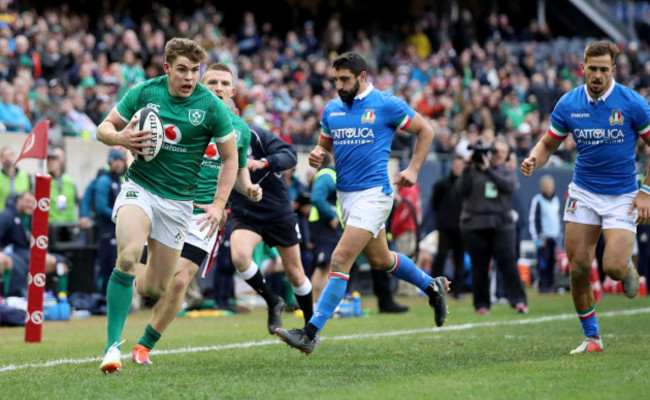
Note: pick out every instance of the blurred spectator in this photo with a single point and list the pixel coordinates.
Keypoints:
(74, 121)
(63, 193)
(54, 63)
(15, 226)
(545, 226)
(12, 180)
(106, 190)
(447, 203)
(12, 117)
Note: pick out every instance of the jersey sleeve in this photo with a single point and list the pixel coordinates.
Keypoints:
(399, 114)
(129, 103)
(325, 128)
(558, 129)
(243, 145)
(641, 117)
(222, 129)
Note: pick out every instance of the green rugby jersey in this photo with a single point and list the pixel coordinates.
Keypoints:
(190, 123)
(209, 174)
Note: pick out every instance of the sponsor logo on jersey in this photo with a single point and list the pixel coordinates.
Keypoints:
(571, 205)
(580, 115)
(211, 151)
(178, 237)
(368, 117)
(173, 134)
(337, 114)
(131, 194)
(196, 116)
(154, 106)
(616, 118)
(598, 135)
(352, 135)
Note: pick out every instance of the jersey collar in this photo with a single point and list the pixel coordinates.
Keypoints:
(365, 93)
(603, 97)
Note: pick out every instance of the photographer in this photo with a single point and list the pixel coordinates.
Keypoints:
(486, 187)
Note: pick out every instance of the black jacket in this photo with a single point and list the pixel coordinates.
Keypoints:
(275, 204)
(487, 197)
(447, 203)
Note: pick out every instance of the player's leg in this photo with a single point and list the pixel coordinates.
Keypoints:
(617, 262)
(161, 265)
(319, 278)
(380, 257)
(166, 307)
(580, 244)
(243, 241)
(132, 228)
(296, 274)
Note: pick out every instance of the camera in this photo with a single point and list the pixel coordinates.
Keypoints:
(478, 150)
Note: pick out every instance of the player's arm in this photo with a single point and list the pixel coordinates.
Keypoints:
(424, 138)
(642, 199)
(114, 131)
(324, 146)
(245, 186)
(540, 154)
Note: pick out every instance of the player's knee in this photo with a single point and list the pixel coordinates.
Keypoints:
(240, 260)
(153, 291)
(615, 267)
(580, 270)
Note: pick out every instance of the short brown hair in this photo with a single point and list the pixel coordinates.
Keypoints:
(219, 67)
(184, 47)
(601, 48)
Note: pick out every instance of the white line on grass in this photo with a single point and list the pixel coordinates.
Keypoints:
(12, 367)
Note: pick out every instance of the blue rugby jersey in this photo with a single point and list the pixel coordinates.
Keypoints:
(605, 131)
(361, 136)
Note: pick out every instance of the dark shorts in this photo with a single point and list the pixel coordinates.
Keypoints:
(277, 233)
(323, 254)
(189, 252)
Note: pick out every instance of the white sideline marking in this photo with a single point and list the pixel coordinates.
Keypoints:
(12, 367)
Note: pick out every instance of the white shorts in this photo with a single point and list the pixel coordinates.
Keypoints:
(608, 211)
(169, 218)
(366, 209)
(200, 239)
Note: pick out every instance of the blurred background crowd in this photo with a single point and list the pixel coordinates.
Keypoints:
(475, 73)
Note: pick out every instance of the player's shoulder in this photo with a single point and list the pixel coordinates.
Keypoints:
(573, 96)
(240, 125)
(626, 93)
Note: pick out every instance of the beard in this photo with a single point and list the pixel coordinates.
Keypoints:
(348, 96)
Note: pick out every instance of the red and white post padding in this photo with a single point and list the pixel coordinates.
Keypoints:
(39, 245)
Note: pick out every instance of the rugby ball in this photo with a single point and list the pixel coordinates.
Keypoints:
(148, 119)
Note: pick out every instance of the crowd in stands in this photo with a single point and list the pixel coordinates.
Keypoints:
(471, 79)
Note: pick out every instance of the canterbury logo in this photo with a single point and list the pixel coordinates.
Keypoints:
(131, 194)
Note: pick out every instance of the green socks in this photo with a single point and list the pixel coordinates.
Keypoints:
(62, 283)
(6, 276)
(118, 298)
(149, 338)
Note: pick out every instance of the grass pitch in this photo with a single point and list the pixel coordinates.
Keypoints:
(499, 356)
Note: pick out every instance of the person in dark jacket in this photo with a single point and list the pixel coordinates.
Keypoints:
(15, 226)
(446, 202)
(272, 221)
(487, 225)
(107, 187)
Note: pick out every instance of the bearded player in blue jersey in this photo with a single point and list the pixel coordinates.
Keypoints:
(359, 128)
(606, 120)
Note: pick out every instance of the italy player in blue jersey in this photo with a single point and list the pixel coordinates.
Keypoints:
(605, 120)
(359, 128)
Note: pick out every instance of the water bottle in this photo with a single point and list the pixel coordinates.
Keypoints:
(347, 306)
(356, 300)
(50, 307)
(64, 307)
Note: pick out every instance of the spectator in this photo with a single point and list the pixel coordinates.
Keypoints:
(486, 187)
(447, 203)
(12, 180)
(74, 121)
(12, 117)
(15, 225)
(107, 188)
(545, 225)
(63, 194)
